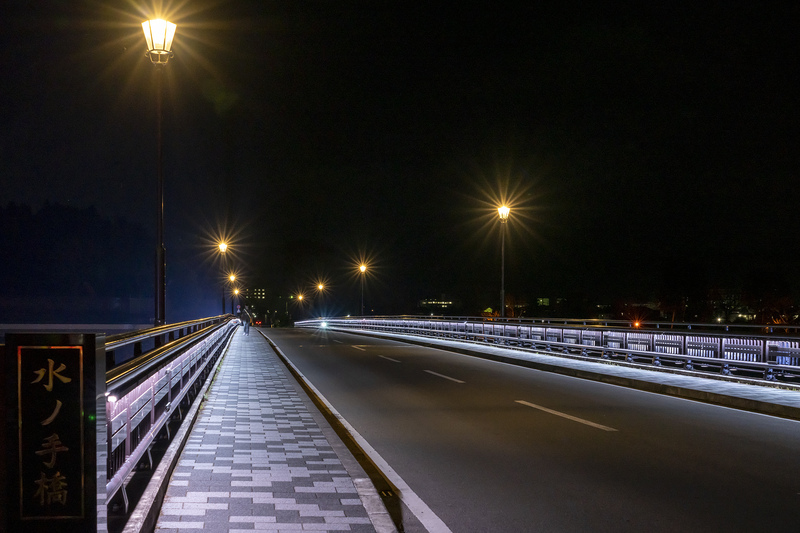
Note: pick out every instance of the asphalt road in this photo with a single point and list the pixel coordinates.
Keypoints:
(495, 447)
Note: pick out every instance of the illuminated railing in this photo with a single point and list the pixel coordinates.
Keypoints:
(749, 351)
(145, 392)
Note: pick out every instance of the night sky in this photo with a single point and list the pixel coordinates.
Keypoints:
(639, 147)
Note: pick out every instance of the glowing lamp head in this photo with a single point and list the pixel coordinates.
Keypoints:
(363, 268)
(503, 211)
(159, 35)
(324, 324)
(223, 247)
(320, 286)
(299, 296)
(232, 277)
(236, 291)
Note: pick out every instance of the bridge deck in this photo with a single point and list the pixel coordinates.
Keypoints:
(259, 457)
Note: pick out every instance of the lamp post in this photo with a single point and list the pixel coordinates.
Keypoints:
(503, 211)
(159, 35)
(363, 269)
(320, 289)
(223, 247)
(232, 278)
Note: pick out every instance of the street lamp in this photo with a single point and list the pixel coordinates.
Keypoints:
(503, 212)
(223, 247)
(320, 289)
(363, 269)
(159, 35)
(232, 279)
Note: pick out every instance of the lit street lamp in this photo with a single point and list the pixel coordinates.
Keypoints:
(320, 290)
(503, 211)
(232, 278)
(363, 269)
(223, 247)
(159, 35)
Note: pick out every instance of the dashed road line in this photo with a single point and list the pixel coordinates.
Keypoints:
(389, 359)
(359, 348)
(445, 377)
(564, 415)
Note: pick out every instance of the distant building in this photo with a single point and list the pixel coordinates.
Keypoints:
(255, 294)
(440, 306)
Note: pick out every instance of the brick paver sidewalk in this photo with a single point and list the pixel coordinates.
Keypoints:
(257, 460)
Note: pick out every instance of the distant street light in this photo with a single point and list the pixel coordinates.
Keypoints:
(363, 269)
(159, 35)
(320, 290)
(223, 247)
(503, 212)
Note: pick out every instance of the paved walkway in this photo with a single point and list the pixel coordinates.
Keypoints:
(257, 459)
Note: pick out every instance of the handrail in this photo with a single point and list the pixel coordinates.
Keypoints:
(772, 357)
(122, 339)
(131, 372)
(598, 323)
(144, 393)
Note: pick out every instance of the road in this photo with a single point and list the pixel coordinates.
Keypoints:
(495, 447)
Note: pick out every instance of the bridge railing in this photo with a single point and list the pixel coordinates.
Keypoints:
(749, 351)
(143, 393)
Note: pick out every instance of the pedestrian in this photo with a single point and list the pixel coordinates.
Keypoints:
(247, 325)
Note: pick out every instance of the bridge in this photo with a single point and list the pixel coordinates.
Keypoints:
(419, 424)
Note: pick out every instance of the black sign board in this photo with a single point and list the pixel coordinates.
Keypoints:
(55, 405)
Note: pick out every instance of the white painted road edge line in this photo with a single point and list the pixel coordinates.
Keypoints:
(564, 415)
(445, 377)
(429, 520)
(359, 348)
(389, 359)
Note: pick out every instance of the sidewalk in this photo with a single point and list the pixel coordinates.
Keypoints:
(258, 459)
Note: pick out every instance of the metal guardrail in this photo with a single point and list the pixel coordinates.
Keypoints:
(144, 393)
(703, 347)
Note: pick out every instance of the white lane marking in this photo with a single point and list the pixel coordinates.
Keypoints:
(445, 377)
(340, 342)
(564, 415)
(389, 359)
(419, 508)
(359, 348)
